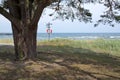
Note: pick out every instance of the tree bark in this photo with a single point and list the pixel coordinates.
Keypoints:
(25, 43)
(30, 43)
(15, 39)
(15, 12)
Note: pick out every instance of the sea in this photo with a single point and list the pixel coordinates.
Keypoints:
(73, 36)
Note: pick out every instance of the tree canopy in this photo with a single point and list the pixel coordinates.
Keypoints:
(73, 9)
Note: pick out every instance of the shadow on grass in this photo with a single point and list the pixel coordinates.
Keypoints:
(83, 56)
(60, 63)
(81, 60)
(7, 53)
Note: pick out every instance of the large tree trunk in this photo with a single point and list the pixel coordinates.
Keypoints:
(30, 43)
(25, 43)
(24, 16)
(24, 37)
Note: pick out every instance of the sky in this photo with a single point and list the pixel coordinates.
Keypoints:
(59, 26)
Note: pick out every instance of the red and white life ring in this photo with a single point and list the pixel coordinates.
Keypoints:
(49, 31)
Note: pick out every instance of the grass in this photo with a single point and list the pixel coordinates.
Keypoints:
(7, 41)
(62, 59)
(99, 46)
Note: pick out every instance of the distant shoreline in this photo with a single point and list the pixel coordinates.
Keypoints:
(73, 36)
(6, 34)
(6, 44)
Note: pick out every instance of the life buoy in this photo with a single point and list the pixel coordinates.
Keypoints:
(49, 31)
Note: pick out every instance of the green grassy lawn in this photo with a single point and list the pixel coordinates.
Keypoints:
(110, 47)
(62, 59)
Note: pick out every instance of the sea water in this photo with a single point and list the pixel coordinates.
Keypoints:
(76, 36)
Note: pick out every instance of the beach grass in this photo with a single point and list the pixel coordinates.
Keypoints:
(6, 41)
(63, 59)
(107, 46)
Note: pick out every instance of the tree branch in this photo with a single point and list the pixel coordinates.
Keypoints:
(38, 12)
(15, 21)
